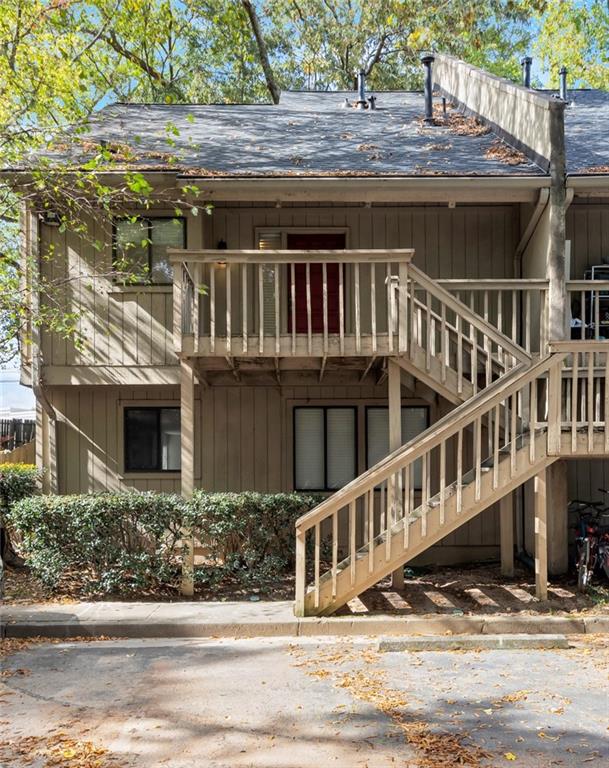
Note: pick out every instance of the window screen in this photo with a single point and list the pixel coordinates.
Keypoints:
(140, 247)
(152, 439)
(268, 241)
(325, 447)
(415, 419)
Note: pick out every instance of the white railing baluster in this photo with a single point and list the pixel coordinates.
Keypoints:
(212, 308)
(228, 310)
(261, 308)
(309, 311)
(277, 311)
(244, 307)
(373, 306)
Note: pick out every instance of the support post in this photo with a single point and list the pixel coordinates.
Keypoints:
(558, 526)
(541, 538)
(394, 392)
(506, 525)
(187, 431)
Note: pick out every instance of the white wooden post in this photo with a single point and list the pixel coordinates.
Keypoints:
(394, 386)
(541, 536)
(506, 526)
(187, 432)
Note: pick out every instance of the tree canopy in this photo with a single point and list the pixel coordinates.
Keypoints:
(62, 59)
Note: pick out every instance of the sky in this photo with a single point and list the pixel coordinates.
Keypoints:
(16, 401)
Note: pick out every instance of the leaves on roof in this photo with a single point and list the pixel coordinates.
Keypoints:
(504, 153)
(594, 169)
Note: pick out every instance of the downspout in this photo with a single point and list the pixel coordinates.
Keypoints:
(49, 434)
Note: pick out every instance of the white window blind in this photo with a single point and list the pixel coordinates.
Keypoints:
(341, 445)
(325, 447)
(414, 421)
(170, 438)
(309, 448)
(268, 241)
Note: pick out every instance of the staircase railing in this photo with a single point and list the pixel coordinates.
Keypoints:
(516, 307)
(450, 332)
(407, 484)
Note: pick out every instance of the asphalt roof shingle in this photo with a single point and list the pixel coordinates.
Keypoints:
(308, 133)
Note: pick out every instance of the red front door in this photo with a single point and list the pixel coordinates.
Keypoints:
(315, 242)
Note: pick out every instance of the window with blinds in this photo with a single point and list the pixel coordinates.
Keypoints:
(268, 241)
(325, 447)
(415, 419)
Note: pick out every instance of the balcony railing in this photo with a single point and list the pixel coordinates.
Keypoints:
(350, 303)
(290, 303)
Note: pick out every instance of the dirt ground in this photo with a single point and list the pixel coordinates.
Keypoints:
(465, 590)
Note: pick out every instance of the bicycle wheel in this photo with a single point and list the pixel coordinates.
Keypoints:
(583, 572)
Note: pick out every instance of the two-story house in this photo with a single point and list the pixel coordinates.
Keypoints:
(377, 271)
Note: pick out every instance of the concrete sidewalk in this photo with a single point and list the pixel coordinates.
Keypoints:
(261, 619)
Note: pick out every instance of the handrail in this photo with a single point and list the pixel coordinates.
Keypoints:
(491, 283)
(250, 256)
(466, 313)
(446, 427)
(587, 285)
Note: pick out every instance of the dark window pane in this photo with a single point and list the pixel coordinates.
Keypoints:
(132, 248)
(141, 439)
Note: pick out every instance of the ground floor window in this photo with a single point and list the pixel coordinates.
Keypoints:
(325, 447)
(415, 419)
(152, 439)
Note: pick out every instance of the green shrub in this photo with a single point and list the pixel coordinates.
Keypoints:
(105, 543)
(16, 482)
(126, 542)
(247, 536)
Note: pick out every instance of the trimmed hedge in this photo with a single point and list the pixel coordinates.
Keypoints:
(16, 482)
(126, 542)
(248, 537)
(108, 543)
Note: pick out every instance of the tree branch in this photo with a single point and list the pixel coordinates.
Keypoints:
(263, 52)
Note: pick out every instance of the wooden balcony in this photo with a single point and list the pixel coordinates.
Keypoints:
(368, 304)
(276, 304)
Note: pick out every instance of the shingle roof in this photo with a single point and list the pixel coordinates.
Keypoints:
(308, 133)
(587, 131)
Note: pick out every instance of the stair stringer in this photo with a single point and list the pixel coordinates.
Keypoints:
(445, 384)
(418, 541)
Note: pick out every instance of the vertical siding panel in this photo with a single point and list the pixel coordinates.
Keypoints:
(260, 439)
(248, 447)
(432, 259)
(221, 437)
(458, 244)
(233, 431)
(275, 439)
(208, 439)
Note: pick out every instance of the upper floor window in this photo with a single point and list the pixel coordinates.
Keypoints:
(141, 243)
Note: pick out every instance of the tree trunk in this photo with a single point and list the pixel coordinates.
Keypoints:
(263, 52)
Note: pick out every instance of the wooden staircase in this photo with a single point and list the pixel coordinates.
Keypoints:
(470, 459)
(447, 345)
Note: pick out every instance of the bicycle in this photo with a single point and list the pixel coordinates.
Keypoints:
(592, 541)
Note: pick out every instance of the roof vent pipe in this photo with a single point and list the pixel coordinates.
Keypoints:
(372, 101)
(427, 60)
(526, 71)
(361, 87)
(562, 74)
